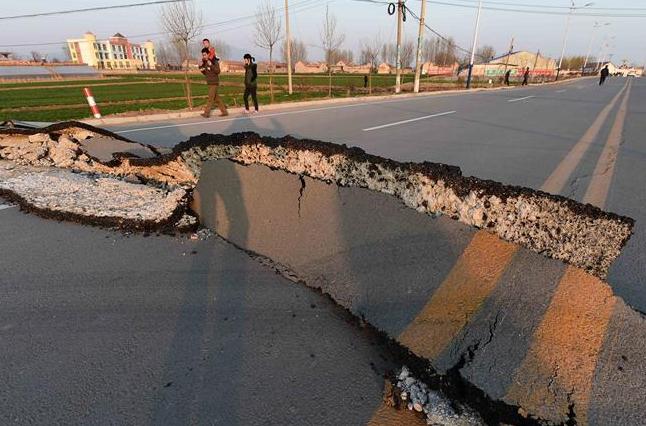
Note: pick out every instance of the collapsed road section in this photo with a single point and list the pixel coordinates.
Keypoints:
(497, 289)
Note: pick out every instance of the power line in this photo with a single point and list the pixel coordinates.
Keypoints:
(580, 11)
(301, 6)
(548, 6)
(90, 9)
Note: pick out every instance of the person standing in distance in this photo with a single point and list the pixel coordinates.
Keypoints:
(507, 76)
(526, 77)
(250, 82)
(605, 72)
(211, 70)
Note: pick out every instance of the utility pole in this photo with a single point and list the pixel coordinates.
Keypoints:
(538, 54)
(475, 45)
(511, 49)
(398, 79)
(420, 40)
(567, 30)
(592, 38)
(289, 48)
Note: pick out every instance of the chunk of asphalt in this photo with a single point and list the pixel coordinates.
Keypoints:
(524, 333)
(580, 235)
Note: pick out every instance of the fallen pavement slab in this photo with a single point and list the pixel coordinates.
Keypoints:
(547, 340)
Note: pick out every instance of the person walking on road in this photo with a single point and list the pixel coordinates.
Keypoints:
(526, 77)
(507, 75)
(250, 82)
(605, 72)
(211, 70)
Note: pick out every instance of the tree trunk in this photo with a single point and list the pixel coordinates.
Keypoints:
(189, 95)
(271, 74)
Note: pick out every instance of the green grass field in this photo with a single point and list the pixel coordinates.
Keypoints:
(132, 93)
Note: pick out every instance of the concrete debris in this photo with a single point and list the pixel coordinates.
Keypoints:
(187, 222)
(202, 235)
(437, 409)
(81, 194)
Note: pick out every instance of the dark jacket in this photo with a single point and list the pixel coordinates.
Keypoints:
(605, 72)
(211, 70)
(251, 76)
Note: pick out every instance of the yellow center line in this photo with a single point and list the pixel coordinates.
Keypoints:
(599, 188)
(476, 274)
(559, 367)
(558, 179)
(470, 282)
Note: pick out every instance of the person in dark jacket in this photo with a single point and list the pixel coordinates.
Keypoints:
(605, 72)
(250, 82)
(526, 77)
(211, 70)
(507, 75)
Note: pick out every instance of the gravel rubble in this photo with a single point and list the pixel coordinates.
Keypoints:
(437, 409)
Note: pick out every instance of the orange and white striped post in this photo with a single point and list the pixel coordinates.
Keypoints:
(91, 102)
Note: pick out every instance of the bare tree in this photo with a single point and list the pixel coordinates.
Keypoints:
(407, 53)
(268, 32)
(331, 41)
(36, 56)
(298, 48)
(370, 50)
(486, 53)
(67, 56)
(183, 22)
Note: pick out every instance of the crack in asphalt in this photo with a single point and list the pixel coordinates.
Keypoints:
(300, 193)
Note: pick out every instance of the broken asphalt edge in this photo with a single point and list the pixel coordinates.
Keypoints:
(452, 384)
(554, 226)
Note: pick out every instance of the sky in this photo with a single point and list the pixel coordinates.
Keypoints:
(358, 20)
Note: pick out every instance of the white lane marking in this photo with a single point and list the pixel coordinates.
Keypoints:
(301, 111)
(521, 99)
(561, 91)
(383, 126)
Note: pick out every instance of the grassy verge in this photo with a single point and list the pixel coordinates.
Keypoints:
(119, 94)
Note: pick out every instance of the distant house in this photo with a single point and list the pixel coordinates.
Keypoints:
(277, 67)
(310, 67)
(357, 69)
(232, 66)
(339, 67)
(627, 71)
(385, 68)
(431, 69)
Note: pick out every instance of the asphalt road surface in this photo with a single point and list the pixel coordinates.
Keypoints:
(98, 327)
(519, 136)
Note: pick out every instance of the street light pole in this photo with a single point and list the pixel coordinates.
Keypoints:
(567, 30)
(475, 45)
(594, 33)
(289, 48)
(420, 40)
